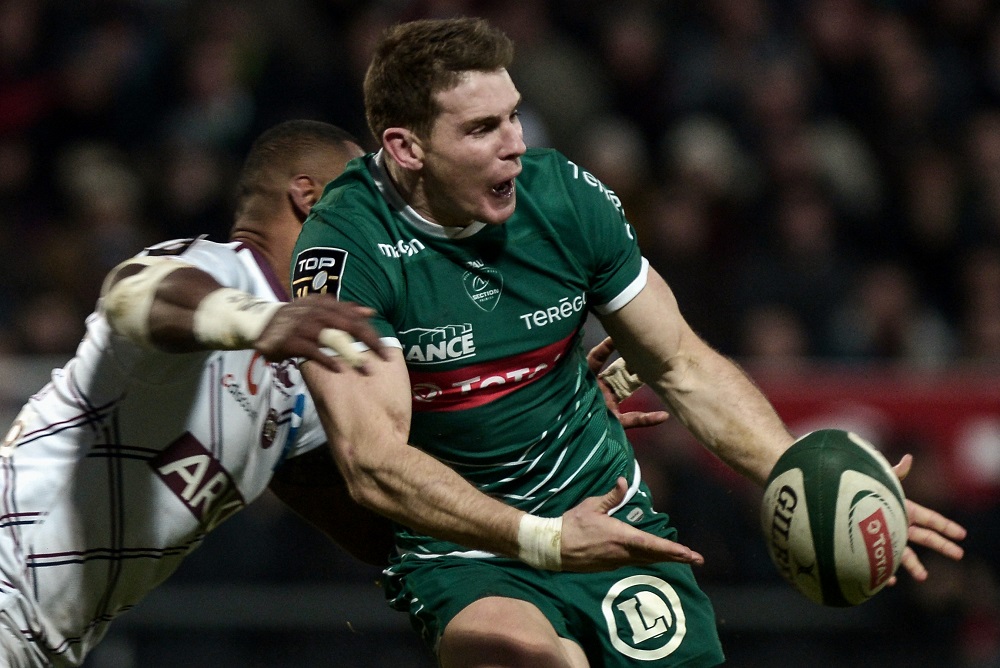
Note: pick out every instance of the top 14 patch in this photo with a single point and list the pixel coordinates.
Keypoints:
(317, 271)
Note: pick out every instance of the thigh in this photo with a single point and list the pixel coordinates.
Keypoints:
(438, 591)
(509, 632)
(653, 615)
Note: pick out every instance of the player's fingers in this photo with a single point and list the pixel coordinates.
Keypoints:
(935, 541)
(902, 469)
(620, 380)
(342, 343)
(634, 419)
(911, 562)
(599, 354)
(925, 517)
(653, 549)
(360, 330)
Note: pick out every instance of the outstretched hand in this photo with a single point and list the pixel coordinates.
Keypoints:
(596, 359)
(593, 541)
(927, 528)
(305, 327)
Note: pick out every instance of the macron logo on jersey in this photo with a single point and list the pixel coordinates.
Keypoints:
(198, 479)
(480, 384)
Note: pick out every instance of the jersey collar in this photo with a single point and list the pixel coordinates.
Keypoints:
(388, 189)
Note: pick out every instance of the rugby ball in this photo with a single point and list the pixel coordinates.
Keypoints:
(834, 518)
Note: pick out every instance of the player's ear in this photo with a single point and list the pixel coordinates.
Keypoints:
(404, 147)
(303, 192)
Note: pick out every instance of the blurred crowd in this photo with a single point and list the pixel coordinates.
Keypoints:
(816, 179)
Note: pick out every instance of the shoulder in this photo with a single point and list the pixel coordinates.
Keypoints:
(355, 188)
(231, 263)
(193, 250)
(356, 210)
(554, 179)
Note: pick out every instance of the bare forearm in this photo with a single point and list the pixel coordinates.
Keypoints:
(707, 392)
(153, 301)
(367, 423)
(420, 492)
(724, 410)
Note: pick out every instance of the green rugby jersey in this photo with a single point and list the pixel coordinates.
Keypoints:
(490, 320)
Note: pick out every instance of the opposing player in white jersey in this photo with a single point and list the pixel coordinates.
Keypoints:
(117, 468)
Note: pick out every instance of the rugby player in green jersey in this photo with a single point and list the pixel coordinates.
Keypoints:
(482, 260)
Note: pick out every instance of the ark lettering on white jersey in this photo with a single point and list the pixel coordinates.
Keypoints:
(198, 479)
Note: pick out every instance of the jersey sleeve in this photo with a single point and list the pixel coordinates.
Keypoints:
(335, 255)
(219, 261)
(606, 240)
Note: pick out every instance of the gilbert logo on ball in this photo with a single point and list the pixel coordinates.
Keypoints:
(834, 518)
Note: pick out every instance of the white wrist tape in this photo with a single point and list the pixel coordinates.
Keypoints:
(620, 380)
(230, 319)
(539, 541)
(127, 303)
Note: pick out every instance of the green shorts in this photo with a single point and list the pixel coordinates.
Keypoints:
(636, 616)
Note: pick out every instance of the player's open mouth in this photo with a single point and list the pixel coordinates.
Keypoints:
(505, 189)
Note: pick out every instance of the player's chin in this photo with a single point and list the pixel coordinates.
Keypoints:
(497, 208)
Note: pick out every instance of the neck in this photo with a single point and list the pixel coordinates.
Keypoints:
(412, 188)
(278, 255)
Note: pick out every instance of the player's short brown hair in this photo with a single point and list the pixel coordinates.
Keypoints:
(416, 60)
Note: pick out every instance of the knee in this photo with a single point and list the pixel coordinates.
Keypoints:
(498, 649)
(501, 633)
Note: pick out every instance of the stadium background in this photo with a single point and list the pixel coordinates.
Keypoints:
(819, 181)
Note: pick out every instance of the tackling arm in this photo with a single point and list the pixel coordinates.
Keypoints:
(176, 307)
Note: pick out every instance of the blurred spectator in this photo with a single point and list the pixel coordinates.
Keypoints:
(617, 155)
(980, 306)
(563, 82)
(774, 337)
(679, 233)
(798, 264)
(886, 319)
(982, 155)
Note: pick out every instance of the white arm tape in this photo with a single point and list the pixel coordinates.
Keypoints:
(230, 319)
(539, 541)
(127, 303)
(620, 380)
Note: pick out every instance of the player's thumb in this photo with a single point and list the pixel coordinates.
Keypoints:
(614, 497)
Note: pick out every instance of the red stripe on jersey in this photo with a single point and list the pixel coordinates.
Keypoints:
(479, 384)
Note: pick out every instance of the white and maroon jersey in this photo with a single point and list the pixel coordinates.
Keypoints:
(118, 467)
